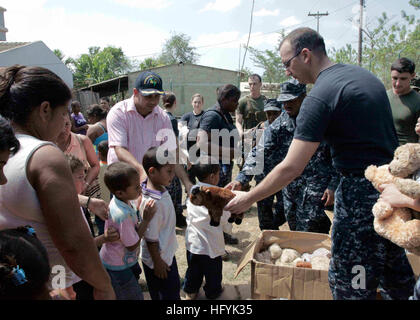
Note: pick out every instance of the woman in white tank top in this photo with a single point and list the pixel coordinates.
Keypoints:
(40, 190)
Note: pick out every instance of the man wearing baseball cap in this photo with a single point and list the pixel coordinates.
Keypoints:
(268, 218)
(138, 123)
(303, 199)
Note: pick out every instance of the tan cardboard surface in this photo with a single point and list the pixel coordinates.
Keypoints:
(270, 281)
(415, 263)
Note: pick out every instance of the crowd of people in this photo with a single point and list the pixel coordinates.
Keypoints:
(92, 194)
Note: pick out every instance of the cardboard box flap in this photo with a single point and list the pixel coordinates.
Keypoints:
(247, 255)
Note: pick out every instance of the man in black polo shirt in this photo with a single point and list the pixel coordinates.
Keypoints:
(348, 107)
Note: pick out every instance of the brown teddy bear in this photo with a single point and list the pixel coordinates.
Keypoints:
(214, 199)
(397, 224)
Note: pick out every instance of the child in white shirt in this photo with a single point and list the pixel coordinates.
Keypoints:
(204, 243)
(159, 244)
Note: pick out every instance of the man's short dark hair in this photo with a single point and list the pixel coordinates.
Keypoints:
(403, 65)
(254, 75)
(227, 91)
(305, 38)
(204, 168)
(119, 175)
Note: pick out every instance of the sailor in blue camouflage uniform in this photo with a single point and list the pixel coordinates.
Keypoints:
(349, 109)
(302, 198)
(270, 215)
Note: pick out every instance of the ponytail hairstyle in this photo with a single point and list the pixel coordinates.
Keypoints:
(22, 89)
(168, 100)
(96, 111)
(8, 141)
(24, 266)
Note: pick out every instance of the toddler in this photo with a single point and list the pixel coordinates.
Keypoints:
(204, 243)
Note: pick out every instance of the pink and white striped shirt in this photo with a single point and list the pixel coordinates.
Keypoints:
(127, 128)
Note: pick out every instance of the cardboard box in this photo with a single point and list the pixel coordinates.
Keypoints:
(269, 281)
(415, 263)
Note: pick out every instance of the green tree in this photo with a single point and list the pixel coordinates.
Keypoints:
(61, 56)
(177, 48)
(270, 62)
(347, 55)
(99, 65)
(383, 43)
(149, 63)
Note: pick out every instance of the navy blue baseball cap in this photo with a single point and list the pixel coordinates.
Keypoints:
(148, 83)
(290, 90)
(272, 105)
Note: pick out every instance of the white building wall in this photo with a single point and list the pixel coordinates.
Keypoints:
(37, 54)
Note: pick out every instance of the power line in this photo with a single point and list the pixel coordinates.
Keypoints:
(249, 34)
(318, 16)
(255, 36)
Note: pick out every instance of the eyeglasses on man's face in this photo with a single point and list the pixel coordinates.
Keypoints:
(288, 62)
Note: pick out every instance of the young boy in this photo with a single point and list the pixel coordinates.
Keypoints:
(204, 243)
(121, 258)
(159, 244)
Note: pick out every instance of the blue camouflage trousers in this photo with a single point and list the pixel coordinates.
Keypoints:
(175, 190)
(362, 261)
(225, 174)
(271, 215)
(304, 208)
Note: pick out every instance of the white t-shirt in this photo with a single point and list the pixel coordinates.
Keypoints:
(19, 204)
(200, 236)
(160, 229)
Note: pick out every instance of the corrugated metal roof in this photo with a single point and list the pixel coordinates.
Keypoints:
(4, 46)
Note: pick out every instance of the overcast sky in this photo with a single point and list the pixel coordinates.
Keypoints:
(216, 27)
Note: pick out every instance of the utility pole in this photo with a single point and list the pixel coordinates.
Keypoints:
(359, 56)
(318, 16)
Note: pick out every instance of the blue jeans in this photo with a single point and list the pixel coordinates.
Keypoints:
(163, 289)
(200, 266)
(125, 283)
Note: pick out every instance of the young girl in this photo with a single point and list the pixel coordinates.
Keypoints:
(81, 290)
(24, 267)
(79, 123)
(174, 189)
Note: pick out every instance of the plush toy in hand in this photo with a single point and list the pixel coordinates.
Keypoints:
(214, 199)
(397, 224)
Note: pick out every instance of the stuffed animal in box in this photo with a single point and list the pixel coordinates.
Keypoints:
(397, 224)
(214, 199)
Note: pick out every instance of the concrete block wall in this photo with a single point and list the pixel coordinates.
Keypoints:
(187, 79)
